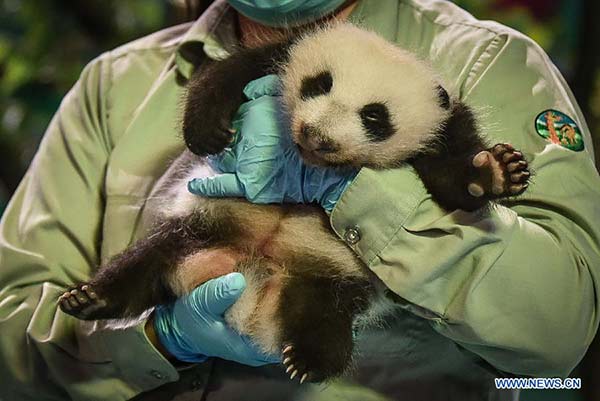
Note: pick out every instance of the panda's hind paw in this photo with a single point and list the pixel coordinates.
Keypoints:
(294, 367)
(81, 302)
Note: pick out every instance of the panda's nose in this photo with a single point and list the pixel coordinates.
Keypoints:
(326, 147)
(308, 131)
(312, 139)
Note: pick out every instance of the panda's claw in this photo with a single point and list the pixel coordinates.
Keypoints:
(90, 293)
(518, 188)
(72, 300)
(508, 156)
(65, 305)
(293, 367)
(64, 302)
(517, 165)
(501, 148)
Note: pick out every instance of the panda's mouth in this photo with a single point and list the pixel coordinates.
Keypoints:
(314, 145)
(321, 158)
(312, 156)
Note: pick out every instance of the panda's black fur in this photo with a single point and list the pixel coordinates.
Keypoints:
(305, 287)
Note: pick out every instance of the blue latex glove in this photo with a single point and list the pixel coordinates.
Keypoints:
(262, 164)
(192, 329)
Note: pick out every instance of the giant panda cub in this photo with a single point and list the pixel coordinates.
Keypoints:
(353, 99)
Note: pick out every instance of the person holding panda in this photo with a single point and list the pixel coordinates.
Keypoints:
(505, 293)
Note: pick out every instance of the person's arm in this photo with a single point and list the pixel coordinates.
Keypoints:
(50, 237)
(517, 284)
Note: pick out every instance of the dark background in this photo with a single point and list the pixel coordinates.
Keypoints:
(45, 44)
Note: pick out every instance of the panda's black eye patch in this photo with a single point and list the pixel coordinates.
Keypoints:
(443, 97)
(375, 118)
(315, 86)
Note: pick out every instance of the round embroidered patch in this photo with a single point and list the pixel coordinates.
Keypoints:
(557, 127)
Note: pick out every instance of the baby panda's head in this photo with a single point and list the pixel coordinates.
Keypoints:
(356, 99)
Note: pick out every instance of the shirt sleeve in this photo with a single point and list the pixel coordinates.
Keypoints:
(515, 284)
(50, 236)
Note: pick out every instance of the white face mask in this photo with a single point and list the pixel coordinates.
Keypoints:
(278, 13)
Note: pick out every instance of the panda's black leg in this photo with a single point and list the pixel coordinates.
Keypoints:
(503, 172)
(215, 92)
(317, 315)
(130, 283)
(137, 278)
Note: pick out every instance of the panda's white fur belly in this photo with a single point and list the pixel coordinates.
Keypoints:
(272, 233)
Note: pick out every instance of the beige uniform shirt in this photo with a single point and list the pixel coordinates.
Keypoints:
(511, 290)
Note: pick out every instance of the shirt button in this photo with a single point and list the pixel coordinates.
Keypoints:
(157, 374)
(352, 235)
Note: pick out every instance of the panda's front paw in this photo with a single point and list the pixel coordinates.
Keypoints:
(503, 172)
(207, 137)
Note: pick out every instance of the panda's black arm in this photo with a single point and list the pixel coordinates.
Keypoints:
(447, 170)
(446, 167)
(214, 94)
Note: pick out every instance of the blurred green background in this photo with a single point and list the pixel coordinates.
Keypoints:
(45, 44)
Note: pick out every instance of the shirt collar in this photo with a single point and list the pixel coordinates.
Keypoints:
(214, 35)
(214, 32)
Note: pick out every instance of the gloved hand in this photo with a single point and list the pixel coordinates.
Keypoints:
(192, 329)
(262, 164)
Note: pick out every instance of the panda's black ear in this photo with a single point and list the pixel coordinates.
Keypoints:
(443, 97)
